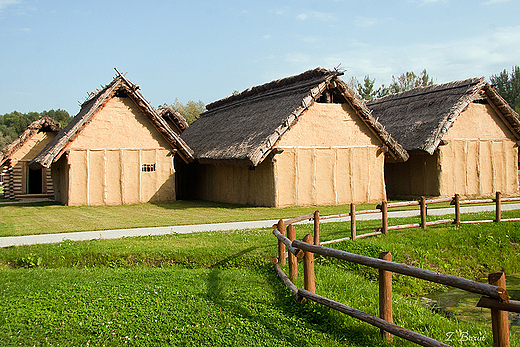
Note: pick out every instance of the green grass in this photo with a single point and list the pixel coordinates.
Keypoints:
(218, 288)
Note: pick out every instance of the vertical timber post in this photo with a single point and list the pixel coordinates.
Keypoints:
(498, 207)
(385, 296)
(422, 203)
(457, 209)
(308, 267)
(281, 246)
(317, 228)
(499, 319)
(293, 262)
(384, 217)
(353, 221)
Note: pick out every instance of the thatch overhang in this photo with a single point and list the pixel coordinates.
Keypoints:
(120, 85)
(174, 117)
(44, 124)
(244, 128)
(419, 118)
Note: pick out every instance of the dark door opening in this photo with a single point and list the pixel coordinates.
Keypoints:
(35, 181)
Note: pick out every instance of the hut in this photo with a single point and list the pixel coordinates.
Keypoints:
(20, 181)
(301, 140)
(117, 150)
(461, 136)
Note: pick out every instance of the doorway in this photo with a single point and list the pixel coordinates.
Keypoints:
(35, 181)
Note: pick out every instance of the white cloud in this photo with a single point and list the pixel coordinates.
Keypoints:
(323, 16)
(266, 37)
(365, 21)
(491, 2)
(302, 16)
(297, 58)
(5, 3)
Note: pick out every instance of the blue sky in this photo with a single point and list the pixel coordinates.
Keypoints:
(54, 52)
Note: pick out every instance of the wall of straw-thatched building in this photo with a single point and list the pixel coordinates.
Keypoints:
(119, 158)
(329, 157)
(20, 181)
(478, 158)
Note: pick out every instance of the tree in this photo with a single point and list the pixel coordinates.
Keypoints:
(191, 111)
(409, 80)
(366, 90)
(508, 86)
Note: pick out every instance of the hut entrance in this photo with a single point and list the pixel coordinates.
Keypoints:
(35, 181)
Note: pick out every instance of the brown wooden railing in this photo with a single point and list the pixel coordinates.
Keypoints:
(494, 294)
(423, 223)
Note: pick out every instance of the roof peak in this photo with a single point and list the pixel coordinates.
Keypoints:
(276, 86)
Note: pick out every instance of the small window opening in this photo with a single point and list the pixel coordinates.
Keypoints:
(148, 167)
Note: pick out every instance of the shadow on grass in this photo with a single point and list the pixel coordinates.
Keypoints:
(314, 316)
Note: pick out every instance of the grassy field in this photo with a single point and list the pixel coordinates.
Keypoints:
(219, 289)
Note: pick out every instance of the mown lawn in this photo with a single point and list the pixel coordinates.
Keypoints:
(219, 289)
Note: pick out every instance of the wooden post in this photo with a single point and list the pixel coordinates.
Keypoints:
(499, 319)
(293, 262)
(308, 267)
(281, 247)
(422, 203)
(384, 217)
(385, 296)
(353, 221)
(317, 228)
(457, 209)
(498, 207)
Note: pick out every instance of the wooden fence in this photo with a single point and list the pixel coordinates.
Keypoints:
(423, 223)
(494, 294)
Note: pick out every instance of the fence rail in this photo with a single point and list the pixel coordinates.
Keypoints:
(495, 296)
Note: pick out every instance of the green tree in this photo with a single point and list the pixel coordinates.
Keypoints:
(409, 80)
(191, 111)
(366, 90)
(508, 86)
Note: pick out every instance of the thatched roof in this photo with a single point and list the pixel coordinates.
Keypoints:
(44, 124)
(174, 119)
(419, 118)
(244, 128)
(96, 101)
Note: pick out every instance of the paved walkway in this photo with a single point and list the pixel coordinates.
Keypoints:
(186, 229)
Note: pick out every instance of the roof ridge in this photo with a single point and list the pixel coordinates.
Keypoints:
(280, 85)
(427, 90)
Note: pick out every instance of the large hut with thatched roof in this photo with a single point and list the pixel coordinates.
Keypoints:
(462, 138)
(117, 150)
(20, 181)
(301, 140)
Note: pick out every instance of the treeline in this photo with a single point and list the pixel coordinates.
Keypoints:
(14, 124)
(508, 86)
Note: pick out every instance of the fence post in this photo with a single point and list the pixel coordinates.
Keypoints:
(317, 228)
(308, 267)
(422, 203)
(498, 207)
(353, 220)
(281, 247)
(499, 319)
(293, 262)
(385, 296)
(384, 217)
(457, 209)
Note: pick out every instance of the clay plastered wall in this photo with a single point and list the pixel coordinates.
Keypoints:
(481, 155)
(113, 177)
(415, 177)
(236, 184)
(329, 157)
(120, 124)
(33, 146)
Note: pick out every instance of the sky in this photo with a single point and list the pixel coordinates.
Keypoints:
(53, 53)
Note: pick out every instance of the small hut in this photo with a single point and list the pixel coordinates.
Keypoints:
(117, 150)
(301, 140)
(461, 136)
(20, 181)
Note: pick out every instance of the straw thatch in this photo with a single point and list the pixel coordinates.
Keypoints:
(44, 124)
(94, 103)
(174, 119)
(419, 118)
(244, 128)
